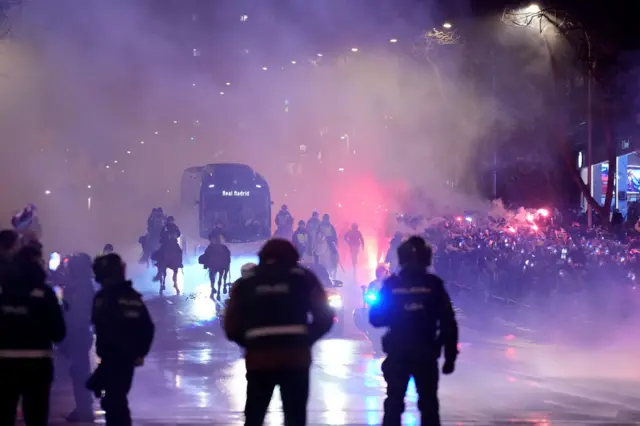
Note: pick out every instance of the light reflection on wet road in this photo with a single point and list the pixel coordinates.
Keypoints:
(194, 376)
(196, 384)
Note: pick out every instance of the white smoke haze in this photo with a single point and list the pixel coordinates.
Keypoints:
(607, 350)
(85, 81)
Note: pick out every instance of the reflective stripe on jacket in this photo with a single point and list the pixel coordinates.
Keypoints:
(26, 353)
(276, 330)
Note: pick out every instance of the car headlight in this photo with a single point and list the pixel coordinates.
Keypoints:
(335, 301)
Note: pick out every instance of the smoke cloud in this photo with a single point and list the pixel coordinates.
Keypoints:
(344, 109)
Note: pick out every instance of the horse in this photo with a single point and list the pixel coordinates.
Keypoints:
(217, 259)
(168, 256)
(327, 255)
(150, 242)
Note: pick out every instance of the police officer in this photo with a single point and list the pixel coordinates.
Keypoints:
(267, 315)
(301, 240)
(416, 308)
(30, 323)
(78, 295)
(124, 333)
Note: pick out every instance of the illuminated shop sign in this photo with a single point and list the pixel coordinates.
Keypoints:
(236, 193)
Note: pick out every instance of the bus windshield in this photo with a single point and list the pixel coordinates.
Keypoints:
(242, 218)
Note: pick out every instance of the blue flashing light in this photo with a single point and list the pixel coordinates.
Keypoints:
(372, 297)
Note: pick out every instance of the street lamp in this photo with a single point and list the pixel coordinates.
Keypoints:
(533, 12)
(447, 25)
(532, 8)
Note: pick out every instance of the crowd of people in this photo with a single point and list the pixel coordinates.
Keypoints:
(267, 314)
(523, 257)
(520, 256)
(531, 257)
(34, 318)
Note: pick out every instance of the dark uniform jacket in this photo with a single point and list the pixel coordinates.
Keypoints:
(78, 297)
(301, 240)
(268, 315)
(417, 309)
(31, 319)
(216, 257)
(123, 326)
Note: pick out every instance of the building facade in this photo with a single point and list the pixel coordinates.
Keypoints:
(624, 96)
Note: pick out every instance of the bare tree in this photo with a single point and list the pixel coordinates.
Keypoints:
(576, 35)
(427, 43)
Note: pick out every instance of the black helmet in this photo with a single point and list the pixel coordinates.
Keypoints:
(108, 267)
(278, 251)
(301, 223)
(171, 219)
(354, 226)
(315, 214)
(284, 207)
(326, 217)
(108, 248)
(415, 252)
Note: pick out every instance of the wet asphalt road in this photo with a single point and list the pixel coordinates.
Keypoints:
(193, 376)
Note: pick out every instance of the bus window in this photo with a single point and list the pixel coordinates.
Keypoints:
(243, 219)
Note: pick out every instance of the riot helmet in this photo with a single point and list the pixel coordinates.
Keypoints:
(279, 252)
(415, 252)
(354, 226)
(325, 218)
(301, 223)
(109, 268)
(108, 248)
(315, 214)
(284, 208)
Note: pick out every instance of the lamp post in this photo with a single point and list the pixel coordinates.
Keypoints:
(524, 18)
(589, 130)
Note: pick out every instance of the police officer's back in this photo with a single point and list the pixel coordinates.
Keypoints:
(124, 333)
(30, 323)
(268, 315)
(416, 308)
